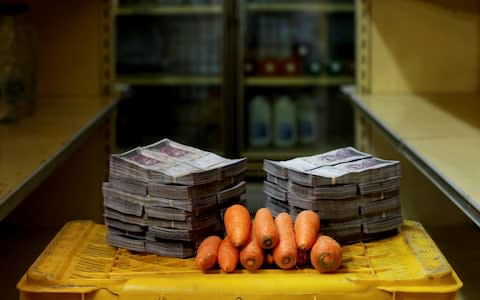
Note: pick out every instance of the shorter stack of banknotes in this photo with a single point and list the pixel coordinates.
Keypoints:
(355, 194)
(166, 197)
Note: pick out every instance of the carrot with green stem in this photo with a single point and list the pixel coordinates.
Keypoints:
(237, 224)
(228, 256)
(265, 230)
(326, 254)
(307, 226)
(285, 253)
(207, 252)
(252, 255)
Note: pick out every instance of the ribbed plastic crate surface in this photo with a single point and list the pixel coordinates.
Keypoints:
(78, 264)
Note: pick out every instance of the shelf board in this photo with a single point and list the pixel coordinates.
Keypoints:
(155, 79)
(422, 116)
(34, 146)
(153, 10)
(301, 7)
(439, 134)
(298, 80)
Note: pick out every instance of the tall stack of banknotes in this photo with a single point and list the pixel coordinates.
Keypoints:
(166, 197)
(355, 194)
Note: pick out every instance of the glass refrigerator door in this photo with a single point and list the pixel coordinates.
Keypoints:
(170, 58)
(295, 56)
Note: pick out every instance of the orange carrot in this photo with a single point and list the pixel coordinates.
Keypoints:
(285, 254)
(228, 256)
(251, 255)
(237, 224)
(326, 254)
(207, 252)
(306, 228)
(265, 230)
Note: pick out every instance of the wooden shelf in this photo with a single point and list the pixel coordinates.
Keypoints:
(169, 10)
(33, 146)
(298, 81)
(52, 163)
(301, 7)
(156, 79)
(439, 134)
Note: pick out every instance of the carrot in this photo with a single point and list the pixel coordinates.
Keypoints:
(207, 252)
(251, 255)
(237, 224)
(306, 228)
(285, 254)
(228, 256)
(265, 231)
(326, 254)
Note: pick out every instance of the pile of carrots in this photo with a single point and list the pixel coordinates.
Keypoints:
(268, 240)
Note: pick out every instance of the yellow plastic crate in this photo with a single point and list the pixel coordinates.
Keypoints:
(78, 264)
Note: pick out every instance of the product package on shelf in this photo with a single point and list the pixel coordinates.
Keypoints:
(355, 193)
(166, 197)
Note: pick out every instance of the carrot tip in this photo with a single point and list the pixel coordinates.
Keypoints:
(286, 260)
(267, 242)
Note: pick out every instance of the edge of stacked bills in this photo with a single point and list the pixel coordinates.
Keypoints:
(166, 197)
(355, 193)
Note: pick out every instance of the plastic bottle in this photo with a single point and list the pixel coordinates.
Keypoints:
(260, 133)
(307, 120)
(285, 122)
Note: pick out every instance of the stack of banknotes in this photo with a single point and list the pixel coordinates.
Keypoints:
(166, 197)
(355, 194)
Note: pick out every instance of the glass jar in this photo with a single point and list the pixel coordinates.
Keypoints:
(17, 67)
